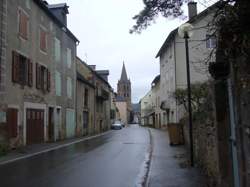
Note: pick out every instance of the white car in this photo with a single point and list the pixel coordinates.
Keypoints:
(117, 125)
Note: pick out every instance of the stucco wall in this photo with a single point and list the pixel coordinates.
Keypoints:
(173, 66)
(122, 107)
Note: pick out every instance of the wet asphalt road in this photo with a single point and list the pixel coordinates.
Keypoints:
(111, 160)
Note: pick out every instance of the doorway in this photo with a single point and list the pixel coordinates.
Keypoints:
(51, 125)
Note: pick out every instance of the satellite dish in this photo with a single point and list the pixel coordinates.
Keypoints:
(185, 28)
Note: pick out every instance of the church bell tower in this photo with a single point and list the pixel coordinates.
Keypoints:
(124, 86)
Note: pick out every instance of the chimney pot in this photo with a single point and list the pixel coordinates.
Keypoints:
(192, 9)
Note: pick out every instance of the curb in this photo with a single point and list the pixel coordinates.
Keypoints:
(52, 148)
(143, 176)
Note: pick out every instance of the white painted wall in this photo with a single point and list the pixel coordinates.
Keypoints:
(173, 65)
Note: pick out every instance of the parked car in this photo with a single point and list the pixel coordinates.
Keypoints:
(123, 125)
(117, 125)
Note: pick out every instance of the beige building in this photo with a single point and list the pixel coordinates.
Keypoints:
(173, 61)
(122, 106)
(114, 113)
(151, 112)
(155, 100)
(147, 109)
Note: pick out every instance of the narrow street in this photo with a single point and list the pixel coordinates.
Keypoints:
(116, 159)
(111, 160)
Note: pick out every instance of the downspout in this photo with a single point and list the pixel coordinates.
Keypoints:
(94, 103)
(175, 76)
(1, 35)
(233, 119)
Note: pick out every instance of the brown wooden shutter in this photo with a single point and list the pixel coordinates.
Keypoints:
(12, 122)
(23, 24)
(15, 66)
(48, 80)
(43, 40)
(43, 78)
(38, 76)
(30, 73)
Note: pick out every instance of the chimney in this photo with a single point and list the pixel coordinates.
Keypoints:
(192, 9)
(93, 67)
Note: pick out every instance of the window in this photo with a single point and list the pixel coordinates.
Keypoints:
(58, 84)
(210, 41)
(57, 50)
(42, 78)
(69, 87)
(69, 58)
(86, 97)
(22, 69)
(23, 21)
(43, 40)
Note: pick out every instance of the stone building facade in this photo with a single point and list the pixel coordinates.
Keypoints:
(85, 94)
(39, 49)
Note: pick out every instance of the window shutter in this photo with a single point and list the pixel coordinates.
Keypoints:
(43, 45)
(23, 24)
(30, 73)
(48, 80)
(38, 76)
(15, 66)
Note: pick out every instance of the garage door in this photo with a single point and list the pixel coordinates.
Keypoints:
(35, 126)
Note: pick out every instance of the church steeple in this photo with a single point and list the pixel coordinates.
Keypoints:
(124, 76)
(124, 86)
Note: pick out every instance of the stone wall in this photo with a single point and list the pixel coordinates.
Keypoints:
(205, 141)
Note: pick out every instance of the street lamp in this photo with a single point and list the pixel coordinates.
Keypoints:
(185, 31)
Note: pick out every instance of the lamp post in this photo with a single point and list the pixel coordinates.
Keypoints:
(185, 31)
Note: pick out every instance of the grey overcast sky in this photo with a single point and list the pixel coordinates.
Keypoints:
(102, 26)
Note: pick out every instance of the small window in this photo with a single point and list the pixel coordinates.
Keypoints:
(58, 84)
(43, 40)
(57, 50)
(210, 41)
(23, 24)
(69, 87)
(86, 97)
(69, 58)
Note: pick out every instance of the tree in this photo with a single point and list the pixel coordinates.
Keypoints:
(167, 8)
(199, 94)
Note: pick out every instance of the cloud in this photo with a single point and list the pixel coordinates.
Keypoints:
(102, 26)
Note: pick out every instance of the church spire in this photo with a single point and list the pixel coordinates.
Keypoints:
(124, 76)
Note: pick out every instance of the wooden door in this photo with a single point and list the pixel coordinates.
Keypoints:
(85, 122)
(12, 122)
(34, 126)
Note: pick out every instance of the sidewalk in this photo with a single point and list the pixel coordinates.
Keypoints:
(169, 166)
(35, 149)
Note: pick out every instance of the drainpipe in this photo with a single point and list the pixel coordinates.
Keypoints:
(1, 34)
(233, 140)
(175, 78)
